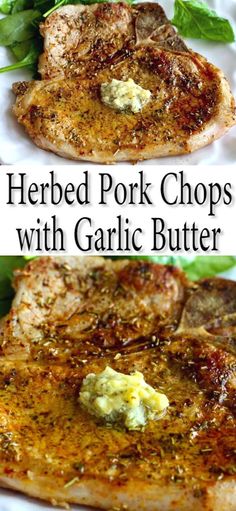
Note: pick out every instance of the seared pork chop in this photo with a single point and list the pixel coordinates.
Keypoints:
(80, 39)
(73, 316)
(190, 106)
(85, 46)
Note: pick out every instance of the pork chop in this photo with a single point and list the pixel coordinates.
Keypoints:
(74, 316)
(76, 306)
(80, 39)
(191, 104)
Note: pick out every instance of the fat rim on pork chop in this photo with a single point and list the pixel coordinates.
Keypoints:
(73, 316)
(191, 103)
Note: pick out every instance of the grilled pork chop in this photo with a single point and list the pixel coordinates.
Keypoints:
(85, 46)
(74, 316)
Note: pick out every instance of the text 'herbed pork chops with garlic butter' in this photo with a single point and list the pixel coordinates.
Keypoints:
(73, 317)
(125, 50)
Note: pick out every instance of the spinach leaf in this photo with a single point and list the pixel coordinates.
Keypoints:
(18, 27)
(5, 306)
(43, 5)
(209, 266)
(22, 5)
(193, 18)
(6, 6)
(29, 59)
(7, 265)
(20, 50)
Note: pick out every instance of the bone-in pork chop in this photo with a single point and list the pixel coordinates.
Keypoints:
(190, 106)
(86, 46)
(80, 39)
(74, 316)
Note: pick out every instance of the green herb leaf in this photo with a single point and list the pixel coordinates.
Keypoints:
(193, 18)
(43, 5)
(7, 265)
(209, 266)
(30, 58)
(6, 6)
(22, 5)
(18, 27)
(5, 306)
(20, 50)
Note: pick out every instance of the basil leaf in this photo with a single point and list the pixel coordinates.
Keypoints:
(193, 18)
(18, 27)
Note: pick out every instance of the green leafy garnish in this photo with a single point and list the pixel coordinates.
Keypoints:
(193, 18)
(209, 266)
(7, 265)
(6, 6)
(30, 58)
(21, 5)
(18, 27)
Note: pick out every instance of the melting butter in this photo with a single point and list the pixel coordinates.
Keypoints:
(124, 95)
(125, 399)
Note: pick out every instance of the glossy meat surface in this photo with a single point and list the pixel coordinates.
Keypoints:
(73, 316)
(80, 39)
(73, 307)
(190, 106)
(85, 46)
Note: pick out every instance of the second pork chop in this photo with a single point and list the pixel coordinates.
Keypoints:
(74, 316)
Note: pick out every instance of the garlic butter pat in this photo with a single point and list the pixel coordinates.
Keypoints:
(120, 398)
(123, 95)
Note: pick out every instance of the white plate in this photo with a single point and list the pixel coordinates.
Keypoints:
(16, 147)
